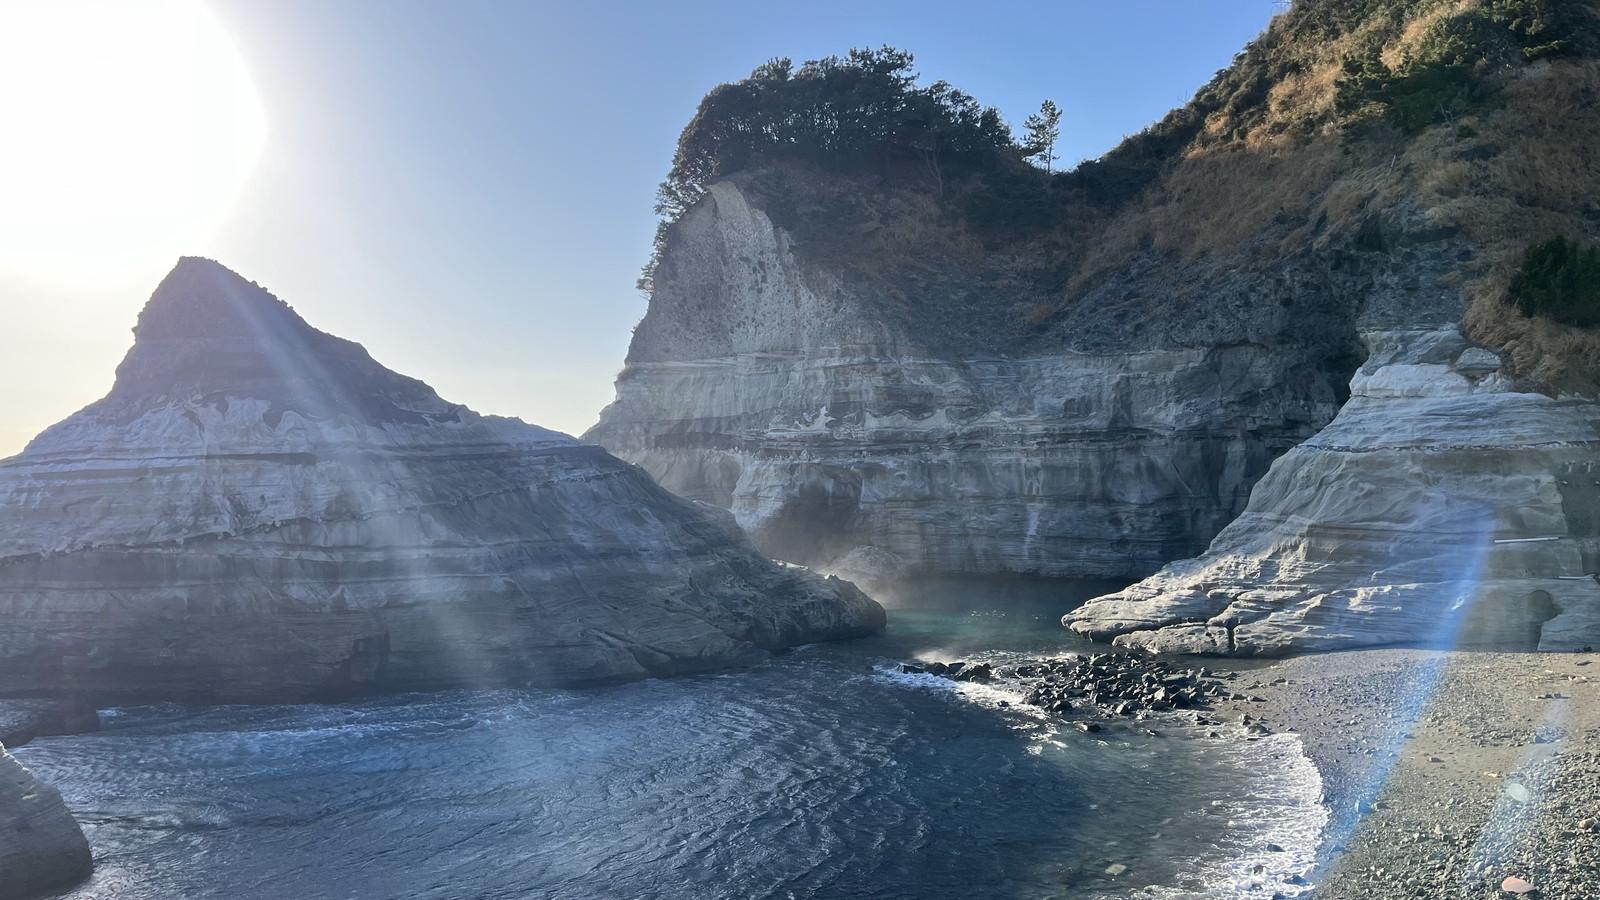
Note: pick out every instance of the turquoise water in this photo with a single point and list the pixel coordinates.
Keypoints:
(823, 773)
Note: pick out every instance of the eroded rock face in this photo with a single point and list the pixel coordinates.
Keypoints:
(763, 383)
(1442, 506)
(41, 847)
(260, 511)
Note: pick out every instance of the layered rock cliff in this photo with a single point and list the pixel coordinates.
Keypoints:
(762, 382)
(1441, 506)
(884, 372)
(259, 511)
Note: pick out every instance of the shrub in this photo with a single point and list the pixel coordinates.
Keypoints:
(863, 113)
(1448, 71)
(1560, 280)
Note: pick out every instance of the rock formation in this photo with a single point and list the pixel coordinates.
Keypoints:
(891, 361)
(840, 438)
(41, 847)
(1441, 506)
(259, 511)
(23, 720)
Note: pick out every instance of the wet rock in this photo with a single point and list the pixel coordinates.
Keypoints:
(41, 847)
(1109, 684)
(23, 720)
(978, 672)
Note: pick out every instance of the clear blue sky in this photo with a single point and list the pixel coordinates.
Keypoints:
(465, 187)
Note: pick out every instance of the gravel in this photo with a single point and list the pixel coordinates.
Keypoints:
(1446, 773)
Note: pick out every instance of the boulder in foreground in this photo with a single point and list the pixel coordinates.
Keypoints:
(41, 847)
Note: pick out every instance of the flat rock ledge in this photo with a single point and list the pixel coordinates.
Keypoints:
(1444, 506)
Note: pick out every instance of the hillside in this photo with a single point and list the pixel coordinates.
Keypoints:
(1390, 159)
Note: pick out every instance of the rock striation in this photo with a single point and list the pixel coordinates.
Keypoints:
(1431, 498)
(41, 847)
(1441, 506)
(259, 511)
(844, 438)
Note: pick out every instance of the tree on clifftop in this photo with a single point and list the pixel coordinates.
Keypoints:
(1044, 129)
(861, 113)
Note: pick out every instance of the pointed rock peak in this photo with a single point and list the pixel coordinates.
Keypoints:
(207, 331)
(201, 298)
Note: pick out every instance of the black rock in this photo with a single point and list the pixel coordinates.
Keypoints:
(980, 672)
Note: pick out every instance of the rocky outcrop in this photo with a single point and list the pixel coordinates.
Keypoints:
(41, 847)
(845, 438)
(900, 360)
(259, 511)
(1446, 501)
(1441, 506)
(23, 720)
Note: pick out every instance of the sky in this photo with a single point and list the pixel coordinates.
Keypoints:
(465, 188)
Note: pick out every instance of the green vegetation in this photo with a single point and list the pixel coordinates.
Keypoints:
(862, 113)
(1559, 279)
(1448, 69)
(1265, 138)
(1044, 129)
(1411, 99)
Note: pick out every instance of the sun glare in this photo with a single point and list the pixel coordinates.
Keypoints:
(129, 130)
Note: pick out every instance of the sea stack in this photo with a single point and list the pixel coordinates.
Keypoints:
(259, 511)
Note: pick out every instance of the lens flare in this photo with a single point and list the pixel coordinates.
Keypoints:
(130, 130)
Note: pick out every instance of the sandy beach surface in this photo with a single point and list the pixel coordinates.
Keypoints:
(1446, 773)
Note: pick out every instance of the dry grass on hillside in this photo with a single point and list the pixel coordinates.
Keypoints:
(1217, 202)
(1544, 182)
(1521, 169)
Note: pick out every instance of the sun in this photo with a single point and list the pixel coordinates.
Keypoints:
(129, 130)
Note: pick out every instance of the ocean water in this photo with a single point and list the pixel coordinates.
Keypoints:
(823, 773)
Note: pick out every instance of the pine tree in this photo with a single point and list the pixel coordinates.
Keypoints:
(1044, 129)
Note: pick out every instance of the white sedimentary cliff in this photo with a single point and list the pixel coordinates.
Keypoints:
(767, 385)
(1443, 502)
(1442, 505)
(260, 511)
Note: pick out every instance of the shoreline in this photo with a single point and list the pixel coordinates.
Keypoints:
(1444, 772)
